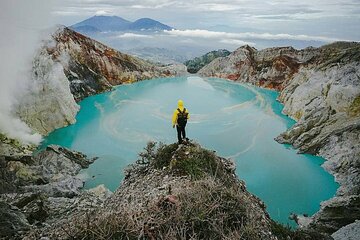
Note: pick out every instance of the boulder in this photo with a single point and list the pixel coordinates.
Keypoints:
(57, 163)
(69, 187)
(349, 232)
(13, 222)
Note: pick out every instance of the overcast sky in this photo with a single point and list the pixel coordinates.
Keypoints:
(224, 23)
(338, 19)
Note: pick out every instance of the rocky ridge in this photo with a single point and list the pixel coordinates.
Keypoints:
(320, 89)
(174, 192)
(70, 67)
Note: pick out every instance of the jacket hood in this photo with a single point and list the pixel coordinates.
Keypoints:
(180, 104)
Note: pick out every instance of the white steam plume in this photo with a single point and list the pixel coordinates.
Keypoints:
(21, 22)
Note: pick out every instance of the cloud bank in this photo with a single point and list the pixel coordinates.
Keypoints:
(323, 18)
(241, 38)
(133, 35)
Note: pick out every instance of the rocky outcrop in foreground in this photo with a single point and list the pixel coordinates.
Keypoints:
(351, 231)
(38, 190)
(320, 89)
(70, 67)
(174, 192)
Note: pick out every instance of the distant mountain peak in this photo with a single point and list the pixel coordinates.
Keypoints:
(144, 19)
(108, 17)
(148, 24)
(103, 23)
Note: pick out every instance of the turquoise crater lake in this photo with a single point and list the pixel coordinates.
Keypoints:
(237, 120)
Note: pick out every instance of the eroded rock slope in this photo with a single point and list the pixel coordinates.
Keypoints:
(320, 88)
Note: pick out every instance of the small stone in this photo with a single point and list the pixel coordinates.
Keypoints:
(172, 199)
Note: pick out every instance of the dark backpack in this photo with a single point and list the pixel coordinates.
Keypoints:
(182, 117)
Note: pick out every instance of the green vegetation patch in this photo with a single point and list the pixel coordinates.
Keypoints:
(194, 65)
(188, 159)
(354, 109)
(195, 162)
(13, 142)
(156, 155)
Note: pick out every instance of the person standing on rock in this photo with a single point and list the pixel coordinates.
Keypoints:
(179, 119)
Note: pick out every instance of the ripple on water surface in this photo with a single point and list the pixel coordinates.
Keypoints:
(238, 121)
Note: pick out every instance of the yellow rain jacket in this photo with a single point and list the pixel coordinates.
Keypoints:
(175, 115)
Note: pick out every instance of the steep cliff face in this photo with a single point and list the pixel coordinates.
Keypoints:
(271, 68)
(320, 88)
(70, 67)
(49, 104)
(93, 67)
(324, 100)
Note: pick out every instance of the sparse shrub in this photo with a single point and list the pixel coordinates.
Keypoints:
(156, 155)
(196, 164)
(148, 155)
(163, 155)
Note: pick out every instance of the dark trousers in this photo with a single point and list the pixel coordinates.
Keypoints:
(180, 131)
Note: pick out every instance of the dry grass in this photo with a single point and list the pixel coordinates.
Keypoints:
(207, 210)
